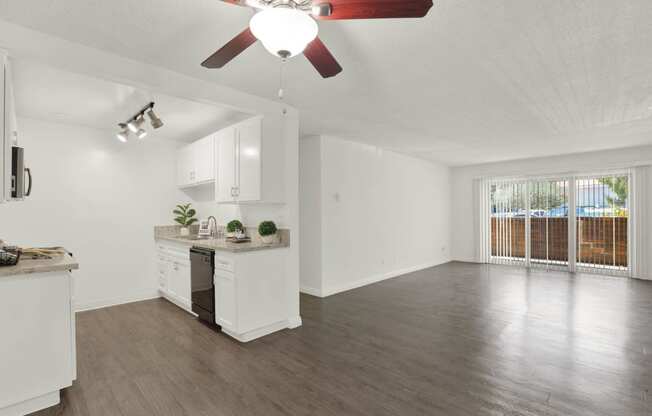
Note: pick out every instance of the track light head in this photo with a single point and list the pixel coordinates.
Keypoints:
(156, 122)
(132, 126)
(141, 134)
(123, 134)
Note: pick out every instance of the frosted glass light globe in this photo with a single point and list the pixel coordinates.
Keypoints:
(283, 31)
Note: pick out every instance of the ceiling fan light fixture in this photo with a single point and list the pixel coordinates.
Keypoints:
(284, 31)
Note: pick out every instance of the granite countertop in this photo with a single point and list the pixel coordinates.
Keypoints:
(222, 245)
(28, 266)
(172, 233)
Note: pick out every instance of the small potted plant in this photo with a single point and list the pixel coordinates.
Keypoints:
(234, 228)
(267, 231)
(185, 217)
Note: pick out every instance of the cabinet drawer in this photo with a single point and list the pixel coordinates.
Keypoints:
(224, 263)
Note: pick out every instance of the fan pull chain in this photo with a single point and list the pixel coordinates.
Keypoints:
(281, 93)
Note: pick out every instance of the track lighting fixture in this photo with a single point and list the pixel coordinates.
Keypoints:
(134, 124)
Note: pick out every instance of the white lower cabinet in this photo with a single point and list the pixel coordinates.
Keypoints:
(38, 347)
(225, 315)
(250, 293)
(173, 267)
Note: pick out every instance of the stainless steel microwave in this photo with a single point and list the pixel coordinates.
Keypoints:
(18, 174)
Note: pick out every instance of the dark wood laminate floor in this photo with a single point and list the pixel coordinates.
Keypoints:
(459, 339)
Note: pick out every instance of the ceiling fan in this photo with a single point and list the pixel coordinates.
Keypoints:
(288, 27)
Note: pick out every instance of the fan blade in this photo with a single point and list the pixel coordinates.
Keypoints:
(321, 58)
(237, 2)
(374, 9)
(229, 51)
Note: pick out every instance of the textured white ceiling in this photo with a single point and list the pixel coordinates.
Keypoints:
(475, 81)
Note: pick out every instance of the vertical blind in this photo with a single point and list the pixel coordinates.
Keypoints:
(571, 223)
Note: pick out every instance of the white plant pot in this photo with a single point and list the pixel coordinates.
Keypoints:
(185, 231)
(269, 239)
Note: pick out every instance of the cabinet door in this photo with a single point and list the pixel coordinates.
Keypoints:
(226, 165)
(249, 151)
(225, 299)
(185, 167)
(5, 149)
(204, 159)
(182, 280)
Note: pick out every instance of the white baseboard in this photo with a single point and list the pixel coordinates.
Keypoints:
(294, 322)
(105, 303)
(311, 291)
(330, 291)
(32, 405)
(257, 333)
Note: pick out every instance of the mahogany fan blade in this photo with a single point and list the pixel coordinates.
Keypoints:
(321, 58)
(229, 51)
(376, 9)
(237, 2)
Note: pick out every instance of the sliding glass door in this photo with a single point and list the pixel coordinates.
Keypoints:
(549, 223)
(532, 222)
(602, 236)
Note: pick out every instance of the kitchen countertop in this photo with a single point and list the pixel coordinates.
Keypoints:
(28, 266)
(222, 245)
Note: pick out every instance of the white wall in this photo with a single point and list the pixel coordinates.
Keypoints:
(383, 214)
(310, 208)
(99, 199)
(463, 236)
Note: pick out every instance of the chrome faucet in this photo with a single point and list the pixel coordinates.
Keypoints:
(212, 226)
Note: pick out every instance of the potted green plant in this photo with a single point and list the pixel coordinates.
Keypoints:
(233, 228)
(267, 231)
(185, 216)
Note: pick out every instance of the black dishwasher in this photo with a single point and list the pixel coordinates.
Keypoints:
(202, 269)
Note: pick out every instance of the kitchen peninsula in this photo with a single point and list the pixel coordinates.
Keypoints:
(249, 281)
(37, 321)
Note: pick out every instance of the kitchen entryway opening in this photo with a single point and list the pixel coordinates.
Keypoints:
(573, 223)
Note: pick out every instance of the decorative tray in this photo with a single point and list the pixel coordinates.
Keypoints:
(238, 240)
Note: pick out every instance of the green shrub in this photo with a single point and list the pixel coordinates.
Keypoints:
(234, 225)
(267, 228)
(185, 215)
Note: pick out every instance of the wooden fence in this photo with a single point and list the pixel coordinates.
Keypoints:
(597, 236)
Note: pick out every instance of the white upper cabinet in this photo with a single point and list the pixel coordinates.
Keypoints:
(196, 163)
(249, 168)
(239, 168)
(226, 144)
(250, 163)
(8, 124)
